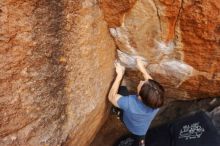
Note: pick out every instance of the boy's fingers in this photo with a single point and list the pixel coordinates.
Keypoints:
(116, 63)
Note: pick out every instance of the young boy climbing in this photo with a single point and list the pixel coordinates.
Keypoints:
(140, 109)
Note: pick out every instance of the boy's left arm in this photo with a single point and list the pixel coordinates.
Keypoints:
(113, 94)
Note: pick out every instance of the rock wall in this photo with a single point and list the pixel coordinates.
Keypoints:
(178, 38)
(56, 60)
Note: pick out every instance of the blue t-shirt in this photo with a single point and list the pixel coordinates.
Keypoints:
(136, 115)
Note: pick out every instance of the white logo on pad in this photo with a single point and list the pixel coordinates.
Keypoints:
(192, 131)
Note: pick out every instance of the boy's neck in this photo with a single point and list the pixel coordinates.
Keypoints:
(139, 98)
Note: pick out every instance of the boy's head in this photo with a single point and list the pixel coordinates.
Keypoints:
(151, 93)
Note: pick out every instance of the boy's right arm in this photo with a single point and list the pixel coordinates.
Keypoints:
(141, 67)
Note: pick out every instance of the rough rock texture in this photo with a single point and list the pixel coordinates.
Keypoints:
(180, 40)
(114, 10)
(56, 60)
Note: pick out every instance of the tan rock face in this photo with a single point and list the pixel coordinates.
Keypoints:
(114, 10)
(179, 40)
(56, 60)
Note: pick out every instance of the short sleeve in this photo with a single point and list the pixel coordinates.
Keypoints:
(123, 102)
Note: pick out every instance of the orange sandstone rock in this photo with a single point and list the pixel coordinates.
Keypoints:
(179, 40)
(56, 60)
(114, 10)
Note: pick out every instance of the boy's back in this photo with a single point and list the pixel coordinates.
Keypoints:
(136, 115)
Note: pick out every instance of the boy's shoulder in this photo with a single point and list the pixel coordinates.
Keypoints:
(132, 98)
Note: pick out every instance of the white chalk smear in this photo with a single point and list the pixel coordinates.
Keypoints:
(113, 32)
(168, 65)
(166, 48)
(128, 60)
(177, 69)
(122, 36)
